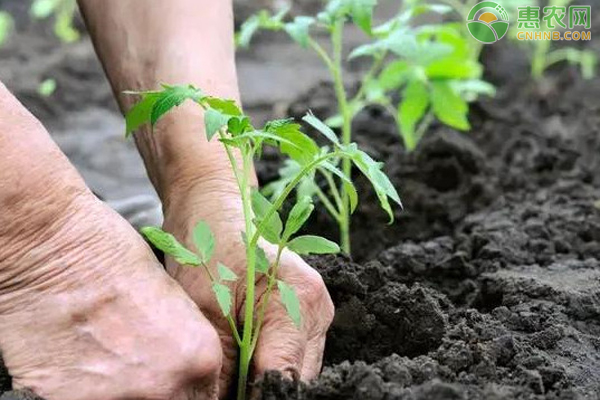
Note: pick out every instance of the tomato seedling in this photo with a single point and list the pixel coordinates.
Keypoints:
(430, 67)
(225, 122)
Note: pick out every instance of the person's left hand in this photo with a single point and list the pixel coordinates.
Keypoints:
(281, 346)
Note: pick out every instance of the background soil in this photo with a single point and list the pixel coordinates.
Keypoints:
(488, 284)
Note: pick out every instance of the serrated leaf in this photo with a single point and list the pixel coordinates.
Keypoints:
(310, 244)
(298, 216)
(299, 29)
(214, 120)
(411, 110)
(449, 107)
(204, 241)
(236, 125)
(225, 274)
(262, 262)
(362, 13)
(290, 302)
(273, 226)
(139, 114)
(381, 184)
(172, 96)
(394, 75)
(304, 149)
(167, 243)
(223, 294)
(321, 127)
(226, 106)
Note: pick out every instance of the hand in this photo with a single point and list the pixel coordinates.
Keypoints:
(281, 345)
(86, 311)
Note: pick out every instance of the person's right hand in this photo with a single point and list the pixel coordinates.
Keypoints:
(86, 311)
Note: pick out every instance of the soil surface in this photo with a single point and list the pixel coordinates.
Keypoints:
(488, 284)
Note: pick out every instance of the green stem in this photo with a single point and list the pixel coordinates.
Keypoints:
(332, 186)
(345, 112)
(261, 313)
(245, 348)
(287, 191)
(328, 205)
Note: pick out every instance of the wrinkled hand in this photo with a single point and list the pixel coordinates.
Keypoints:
(281, 345)
(86, 311)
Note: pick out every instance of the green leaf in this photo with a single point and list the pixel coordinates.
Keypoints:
(6, 26)
(303, 150)
(370, 49)
(139, 114)
(223, 294)
(313, 245)
(225, 106)
(273, 226)
(262, 262)
(321, 127)
(471, 89)
(298, 216)
(382, 185)
(291, 302)
(238, 125)
(63, 26)
(204, 241)
(448, 107)
(47, 87)
(170, 246)
(394, 75)
(42, 8)
(264, 135)
(453, 68)
(411, 110)
(225, 274)
(173, 96)
(362, 13)
(214, 120)
(247, 31)
(299, 28)
(348, 185)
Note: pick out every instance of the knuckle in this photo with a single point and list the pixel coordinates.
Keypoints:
(204, 359)
(316, 296)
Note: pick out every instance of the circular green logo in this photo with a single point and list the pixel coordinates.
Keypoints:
(487, 22)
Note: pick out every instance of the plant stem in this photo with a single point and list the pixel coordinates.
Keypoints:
(335, 69)
(245, 348)
(261, 313)
(328, 205)
(345, 112)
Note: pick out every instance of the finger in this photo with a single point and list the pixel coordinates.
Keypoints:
(313, 357)
(280, 345)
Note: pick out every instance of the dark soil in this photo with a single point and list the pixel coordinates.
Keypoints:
(488, 284)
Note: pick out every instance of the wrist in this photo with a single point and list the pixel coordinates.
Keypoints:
(180, 159)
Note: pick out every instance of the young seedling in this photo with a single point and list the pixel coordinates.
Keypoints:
(225, 122)
(543, 56)
(6, 26)
(430, 67)
(63, 12)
